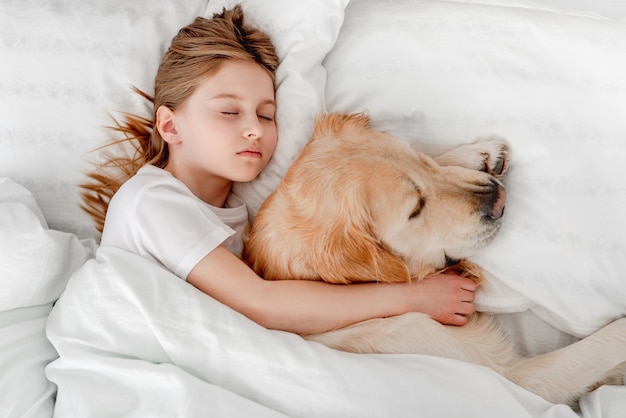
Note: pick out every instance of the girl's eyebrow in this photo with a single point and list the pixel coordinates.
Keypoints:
(235, 97)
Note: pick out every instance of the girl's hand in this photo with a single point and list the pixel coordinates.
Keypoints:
(446, 297)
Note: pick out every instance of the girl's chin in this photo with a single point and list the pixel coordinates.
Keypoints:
(245, 177)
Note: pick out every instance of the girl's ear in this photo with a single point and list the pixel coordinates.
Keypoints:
(166, 125)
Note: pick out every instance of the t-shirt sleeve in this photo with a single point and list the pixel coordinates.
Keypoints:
(175, 228)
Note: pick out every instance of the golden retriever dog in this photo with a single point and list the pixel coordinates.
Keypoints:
(359, 205)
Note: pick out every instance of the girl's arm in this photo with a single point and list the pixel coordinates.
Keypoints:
(308, 307)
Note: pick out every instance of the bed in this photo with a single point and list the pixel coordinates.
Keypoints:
(88, 331)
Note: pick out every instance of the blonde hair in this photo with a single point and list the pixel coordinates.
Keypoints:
(197, 51)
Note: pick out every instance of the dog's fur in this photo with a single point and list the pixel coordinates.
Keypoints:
(359, 205)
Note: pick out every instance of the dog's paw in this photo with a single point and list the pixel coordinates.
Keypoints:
(489, 154)
(494, 151)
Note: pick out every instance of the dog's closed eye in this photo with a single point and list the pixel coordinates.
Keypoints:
(418, 208)
(421, 201)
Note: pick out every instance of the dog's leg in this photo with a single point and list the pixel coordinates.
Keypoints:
(489, 154)
(480, 341)
(562, 376)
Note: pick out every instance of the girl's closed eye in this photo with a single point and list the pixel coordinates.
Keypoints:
(266, 112)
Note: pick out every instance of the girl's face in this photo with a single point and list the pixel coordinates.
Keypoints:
(226, 130)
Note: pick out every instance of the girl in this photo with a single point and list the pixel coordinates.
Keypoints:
(213, 124)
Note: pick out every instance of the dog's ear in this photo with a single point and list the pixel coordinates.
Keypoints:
(329, 125)
(352, 255)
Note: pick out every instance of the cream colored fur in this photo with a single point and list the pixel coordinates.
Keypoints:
(359, 205)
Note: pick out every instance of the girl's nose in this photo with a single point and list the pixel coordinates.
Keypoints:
(252, 128)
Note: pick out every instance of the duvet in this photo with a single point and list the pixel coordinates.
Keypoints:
(128, 338)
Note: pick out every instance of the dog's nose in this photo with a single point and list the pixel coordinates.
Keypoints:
(495, 201)
(498, 206)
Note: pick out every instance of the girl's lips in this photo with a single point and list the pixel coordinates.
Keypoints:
(251, 153)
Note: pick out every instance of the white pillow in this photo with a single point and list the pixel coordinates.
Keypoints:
(302, 32)
(73, 64)
(65, 65)
(441, 73)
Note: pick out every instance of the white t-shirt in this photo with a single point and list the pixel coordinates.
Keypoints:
(157, 217)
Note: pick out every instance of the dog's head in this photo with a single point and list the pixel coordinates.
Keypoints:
(359, 205)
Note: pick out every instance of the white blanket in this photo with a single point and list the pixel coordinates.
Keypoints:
(35, 264)
(134, 339)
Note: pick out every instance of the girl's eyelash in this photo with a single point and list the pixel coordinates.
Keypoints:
(267, 118)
